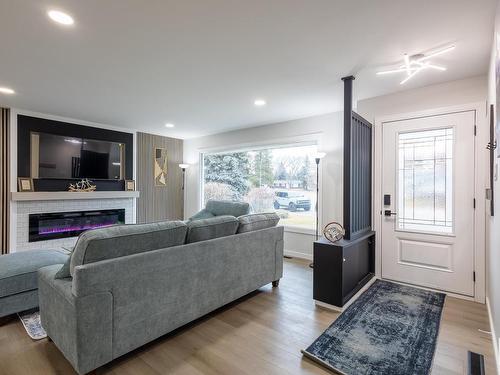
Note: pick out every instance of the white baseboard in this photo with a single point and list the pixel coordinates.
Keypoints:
(296, 254)
(354, 298)
(494, 337)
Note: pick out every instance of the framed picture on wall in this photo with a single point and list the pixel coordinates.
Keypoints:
(129, 185)
(25, 184)
(160, 166)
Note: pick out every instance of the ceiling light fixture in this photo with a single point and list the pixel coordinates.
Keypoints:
(169, 125)
(259, 102)
(412, 65)
(60, 17)
(6, 90)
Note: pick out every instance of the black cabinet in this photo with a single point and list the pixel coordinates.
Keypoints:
(342, 268)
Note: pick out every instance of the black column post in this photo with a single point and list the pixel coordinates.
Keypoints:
(347, 154)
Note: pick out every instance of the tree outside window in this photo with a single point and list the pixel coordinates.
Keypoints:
(281, 180)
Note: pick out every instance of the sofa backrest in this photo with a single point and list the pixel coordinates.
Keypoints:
(122, 240)
(251, 222)
(219, 208)
(208, 229)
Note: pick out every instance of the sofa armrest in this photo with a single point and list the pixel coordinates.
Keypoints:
(81, 327)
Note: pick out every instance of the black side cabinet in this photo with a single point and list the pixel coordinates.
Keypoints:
(342, 268)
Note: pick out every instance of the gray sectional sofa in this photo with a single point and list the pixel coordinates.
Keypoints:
(125, 286)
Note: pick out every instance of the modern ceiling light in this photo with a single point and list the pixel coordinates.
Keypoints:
(6, 90)
(60, 17)
(412, 65)
(259, 102)
(169, 125)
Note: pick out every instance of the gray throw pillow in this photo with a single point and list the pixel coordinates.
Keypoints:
(64, 272)
(203, 214)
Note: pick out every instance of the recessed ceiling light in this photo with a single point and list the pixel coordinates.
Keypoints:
(169, 125)
(60, 17)
(6, 90)
(259, 102)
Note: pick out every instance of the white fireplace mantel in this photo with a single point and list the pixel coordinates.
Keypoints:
(71, 195)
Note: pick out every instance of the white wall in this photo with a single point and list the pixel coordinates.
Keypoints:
(448, 94)
(493, 248)
(326, 130)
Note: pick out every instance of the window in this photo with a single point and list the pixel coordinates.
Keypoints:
(280, 179)
(425, 181)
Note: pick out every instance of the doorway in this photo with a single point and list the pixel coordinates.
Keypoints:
(428, 201)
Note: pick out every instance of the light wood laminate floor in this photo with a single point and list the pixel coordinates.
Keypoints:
(262, 333)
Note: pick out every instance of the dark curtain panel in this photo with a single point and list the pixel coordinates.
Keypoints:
(4, 180)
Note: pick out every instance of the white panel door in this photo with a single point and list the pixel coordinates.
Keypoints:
(428, 225)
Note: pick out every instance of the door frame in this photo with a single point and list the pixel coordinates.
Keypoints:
(480, 184)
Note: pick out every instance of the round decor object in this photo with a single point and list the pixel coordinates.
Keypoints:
(333, 231)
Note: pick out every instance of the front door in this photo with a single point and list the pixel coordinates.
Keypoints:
(428, 208)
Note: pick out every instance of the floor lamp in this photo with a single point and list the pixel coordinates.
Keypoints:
(317, 158)
(183, 167)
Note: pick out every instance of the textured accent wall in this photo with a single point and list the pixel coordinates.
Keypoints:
(159, 202)
(4, 180)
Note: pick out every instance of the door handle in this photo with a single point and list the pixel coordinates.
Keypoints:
(389, 213)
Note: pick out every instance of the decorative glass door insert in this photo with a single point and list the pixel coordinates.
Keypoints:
(425, 181)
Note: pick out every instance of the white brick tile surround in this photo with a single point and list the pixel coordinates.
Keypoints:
(22, 209)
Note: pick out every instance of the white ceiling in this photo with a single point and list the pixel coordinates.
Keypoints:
(201, 63)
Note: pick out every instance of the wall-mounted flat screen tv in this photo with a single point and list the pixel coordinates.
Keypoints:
(56, 156)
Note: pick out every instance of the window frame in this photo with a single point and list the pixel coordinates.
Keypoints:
(314, 140)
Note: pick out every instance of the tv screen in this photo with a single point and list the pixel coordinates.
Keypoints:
(65, 157)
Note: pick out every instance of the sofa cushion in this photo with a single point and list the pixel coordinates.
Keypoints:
(249, 223)
(207, 229)
(219, 208)
(122, 240)
(18, 271)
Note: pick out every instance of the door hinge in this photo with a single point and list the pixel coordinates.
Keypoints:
(474, 203)
(475, 130)
(474, 276)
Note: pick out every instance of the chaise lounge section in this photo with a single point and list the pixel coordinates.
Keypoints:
(19, 281)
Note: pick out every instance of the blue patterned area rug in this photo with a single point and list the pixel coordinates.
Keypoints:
(390, 329)
(32, 324)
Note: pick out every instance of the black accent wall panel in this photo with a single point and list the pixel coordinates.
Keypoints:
(28, 124)
(357, 169)
(361, 179)
(4, 180)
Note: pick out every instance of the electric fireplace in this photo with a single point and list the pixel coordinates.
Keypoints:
(54, 225)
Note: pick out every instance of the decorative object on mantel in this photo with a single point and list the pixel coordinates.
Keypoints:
(333, 232)
(160, 166)
(25, 184)
(82, 186)
(183, 166)
(129, 185)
